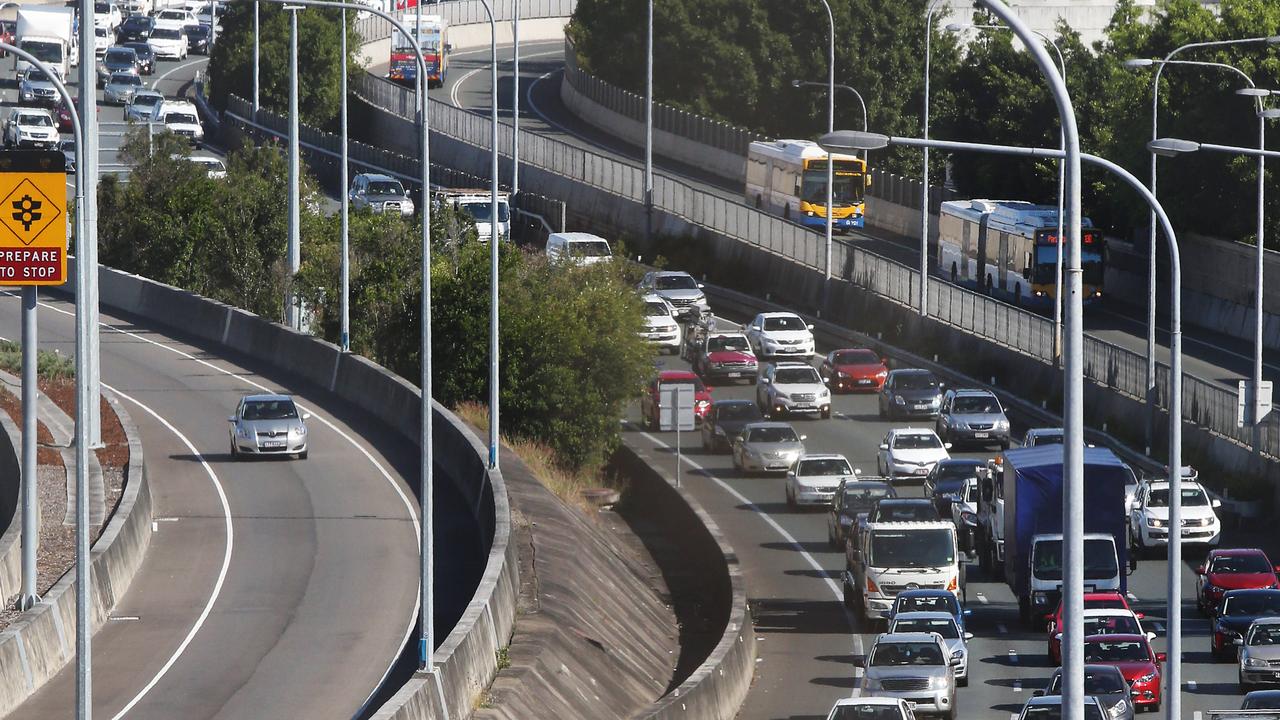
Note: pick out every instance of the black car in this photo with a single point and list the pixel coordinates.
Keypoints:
(117, 59)
(135, 28)
(1261, 700)
(146, 56)
(947, 479)
(198, 38)
(724, 420)
(853, 499)
(1105, 682)
(910, 393)
(1234, 615)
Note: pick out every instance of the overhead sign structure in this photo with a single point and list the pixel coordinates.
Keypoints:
(33, 217)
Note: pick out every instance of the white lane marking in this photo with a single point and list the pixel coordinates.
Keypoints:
(226, 555)
(1013, 657)
(175, 69)
(1017, 685)
(409, 507)
(1191, 685)
(1197, 715)
(982, 599)
(836, 590)
(457, 84)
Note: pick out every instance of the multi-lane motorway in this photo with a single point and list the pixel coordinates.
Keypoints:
(807, 639)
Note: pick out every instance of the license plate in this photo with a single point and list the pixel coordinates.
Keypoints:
(981, 435)
(864, 381)
(734, 374)
(921, 407)
(1186, 531)
(920, 471)
(272, 443)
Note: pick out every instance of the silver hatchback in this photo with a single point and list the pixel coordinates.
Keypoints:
(767, 447)
(973, 416)
(268, 425)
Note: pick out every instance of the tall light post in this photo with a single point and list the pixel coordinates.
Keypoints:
(257, 34)
(648, 128)
(1151, 265)
(1062, 180)
(515, 99)
(345, 279)
(924, 174)
(293, 317)
(831, 127)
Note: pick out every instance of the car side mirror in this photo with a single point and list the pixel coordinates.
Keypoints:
(859, 662)
(306, 416)
(1151, 636)
(701, 286)
(884, 446)
(231, 418)
(826, 381)
(804, 437)
(1161, 657)
(946, 446)
(1277, 569)
(1238, 641)
(966, 612)
(1199, 569)
(884, 361)
(1140, 616)
(737, 438)
(764, 380)
(968, 636)
(810, 326)
(448, 47)
(1216, 503)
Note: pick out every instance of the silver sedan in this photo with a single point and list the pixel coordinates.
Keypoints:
(120, 88)
(141, 105)
(268, 425)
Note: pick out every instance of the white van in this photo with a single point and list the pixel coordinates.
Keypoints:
(578, 248)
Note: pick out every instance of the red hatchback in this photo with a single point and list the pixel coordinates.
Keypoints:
(1133, 656)
(1234, 569)
(653, 398)
(854, 369)
(1092, 601)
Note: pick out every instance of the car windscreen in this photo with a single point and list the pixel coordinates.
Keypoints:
(1261, 702)
(656, 309)
(975, 405)
(119, 57)
(35, 121)
(925, 603)
(1046, 438)
(784, 323)
(958, 471)
(856, 357)
(1099, 682)
(43, 51)
(863, 495)
(1107, 603)
(915, 381)
(1109, 651)
(142, 50)
(1264, 635)
(867, 712)
(1240, 564)
(773, 435)
(914, 548)
(727, 343)
(385, 187)
(1251, 605)
(737, 411)
(1054, 712)
(1111, 625)
(675, 282)
(180, 119)
(136, 22)
(824, 466)
(479, 211)
(946, 627)
(269, 410)
(1191, 497)
(905, 512)
(898, 654)
(125, 79)
(589, 248)
(796, 376)
(916, 442)
(166, 34)
(146, 100)
(949, 486)
(1099, 559)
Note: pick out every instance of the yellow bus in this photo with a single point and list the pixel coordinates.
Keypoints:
(789, 177)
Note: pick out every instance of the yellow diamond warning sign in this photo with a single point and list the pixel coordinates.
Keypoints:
(33, 218)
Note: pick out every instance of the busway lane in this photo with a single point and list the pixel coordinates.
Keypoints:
(319, 592)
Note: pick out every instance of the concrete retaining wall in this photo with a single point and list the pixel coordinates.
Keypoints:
(42, 641)
(10, 493)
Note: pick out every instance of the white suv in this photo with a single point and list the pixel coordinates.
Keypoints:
(1149, 515)
(910, 452)
(792, 387)
(774, 334)
(660, 326)
(180, 118)
(30, 127)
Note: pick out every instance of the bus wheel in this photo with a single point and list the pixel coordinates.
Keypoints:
(954, 273)
(990, 285)
(759, 202)
(786, 213)
(1017, 294)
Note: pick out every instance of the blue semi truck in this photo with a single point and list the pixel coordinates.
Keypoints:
(1020, 506)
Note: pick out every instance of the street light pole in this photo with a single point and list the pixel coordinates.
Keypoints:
(1062, 181)
(293, 317)
(515, 99)
(495, 237)
(924, 174)
(648, 130)
(831, 127)
(256, 35)
(345, 280)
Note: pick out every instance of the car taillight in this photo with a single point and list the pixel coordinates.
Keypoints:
(872, 587)
(954, 583)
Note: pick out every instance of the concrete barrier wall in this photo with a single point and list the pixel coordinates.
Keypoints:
(10, 493)
(467, 657)
(42, 641)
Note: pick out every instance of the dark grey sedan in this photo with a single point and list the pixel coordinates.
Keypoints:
(1104, 682)
(268, 425)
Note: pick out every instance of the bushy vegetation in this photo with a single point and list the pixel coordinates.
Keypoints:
(735, 61)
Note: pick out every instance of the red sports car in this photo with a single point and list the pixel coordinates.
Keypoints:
(1139, 664)
(658, 393)
(1234, 569)
(854, 369)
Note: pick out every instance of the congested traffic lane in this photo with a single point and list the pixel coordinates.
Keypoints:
(808, 641)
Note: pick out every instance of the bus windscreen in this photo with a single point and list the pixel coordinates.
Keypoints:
(845, 190)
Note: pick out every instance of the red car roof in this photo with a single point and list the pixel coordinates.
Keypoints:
(1236, 552)
(677, 375)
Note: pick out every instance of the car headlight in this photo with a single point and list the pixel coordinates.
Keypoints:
(1119, 709)
(937, 682)
(702, 404)
(1155, 522)
(1145, 678)
(299, 430)
(1002, 424)
(825, 393)
(842, 374)
(960, 425)
(1251, 662)
(244, 432)
(882, 373)
(957, 656)
(899, 400)
(1212, 589)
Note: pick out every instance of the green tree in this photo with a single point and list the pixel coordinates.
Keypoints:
(319, 59)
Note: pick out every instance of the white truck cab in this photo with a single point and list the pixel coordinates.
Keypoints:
(1102, 571)
(475, 203)
(895, 556)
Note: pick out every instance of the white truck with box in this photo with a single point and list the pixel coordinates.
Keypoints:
(46, 31)
(894, 556)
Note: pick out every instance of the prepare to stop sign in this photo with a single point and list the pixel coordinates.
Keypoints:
(33, 218)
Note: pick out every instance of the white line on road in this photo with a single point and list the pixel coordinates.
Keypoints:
(453, 91)
(1013, 656)
(982, 598)
(1191, 685)
(175, 69)
(1017, 685)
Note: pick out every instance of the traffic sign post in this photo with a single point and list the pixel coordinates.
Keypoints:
(676, 413)
(33, 252)
(1252, 405)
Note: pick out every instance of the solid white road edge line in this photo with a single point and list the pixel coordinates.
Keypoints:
(835, 589)
(409, 507)
(175, 69)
